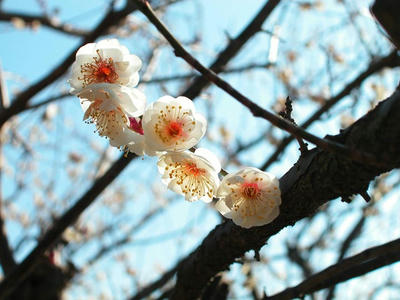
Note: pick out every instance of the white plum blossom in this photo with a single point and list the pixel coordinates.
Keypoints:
(250, 197)
(104, 62)
(131, 137)
(194, 175)
(172, 124)
(112, 108)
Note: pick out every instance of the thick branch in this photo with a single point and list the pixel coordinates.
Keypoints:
(387, 13)
(354, 266)
(51, 236)
(318, 176)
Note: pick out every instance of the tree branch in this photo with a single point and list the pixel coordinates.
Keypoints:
(127, 238)
(191, 75)
(157, 80)
(391, 60)
(7, 260)
(387, 13)
(147, 290)
(317, 177)
(354, 266)
(51, 236)
(44, 20)
(353, 235)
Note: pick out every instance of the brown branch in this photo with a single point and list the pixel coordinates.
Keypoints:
(147, 290)
(317, 177)
(51, 236)
(256, 110)
(354, 266)
(45, 21)
(294, 254)
(391, 60)
(127, 238)
(353, 235)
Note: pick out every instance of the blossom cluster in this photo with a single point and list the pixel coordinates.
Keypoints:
(104, 77)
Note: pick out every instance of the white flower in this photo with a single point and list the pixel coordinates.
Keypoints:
(110, 107)
(194, 175)
(172, 124)
(250, 197)
(104, 62)
(131, 137)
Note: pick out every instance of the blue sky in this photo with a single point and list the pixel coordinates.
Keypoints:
(31, 54)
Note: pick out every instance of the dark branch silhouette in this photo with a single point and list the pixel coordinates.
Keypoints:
(351, 267)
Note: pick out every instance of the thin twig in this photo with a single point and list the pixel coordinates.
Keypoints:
(191, 75)
(49, 100)
(287, 114)
(45, 21)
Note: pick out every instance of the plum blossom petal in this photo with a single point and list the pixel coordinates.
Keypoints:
(250, 197)
(190, 174)
(172, 124)
(110, 107)
(129, 141)
(104, 62)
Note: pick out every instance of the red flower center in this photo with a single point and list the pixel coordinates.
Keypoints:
(192, 169)
(174, 129)
(100, 70)
(250, 190)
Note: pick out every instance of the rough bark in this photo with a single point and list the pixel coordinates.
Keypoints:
(317, 177)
